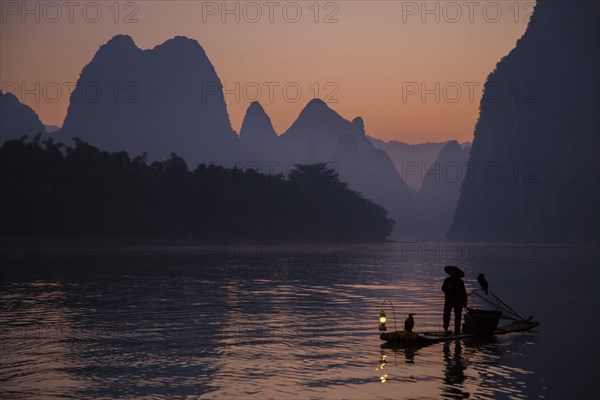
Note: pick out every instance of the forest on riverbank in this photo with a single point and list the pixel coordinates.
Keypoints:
(52, 189)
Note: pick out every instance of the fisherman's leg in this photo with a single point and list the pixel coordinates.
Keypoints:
(457, 319)
(447, 311)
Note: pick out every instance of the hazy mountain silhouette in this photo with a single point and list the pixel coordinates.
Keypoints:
(411, 160)
(257, 133)
(314, 133)
(545, 139)
(370, 172)
(320, 134)
(439, 194)
(51, 128)
(163, 100)
(17, 119)
(311, 155)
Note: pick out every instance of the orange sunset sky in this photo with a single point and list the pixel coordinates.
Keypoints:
(359, 56)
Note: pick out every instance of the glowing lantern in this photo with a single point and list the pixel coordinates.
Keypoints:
(382, 321)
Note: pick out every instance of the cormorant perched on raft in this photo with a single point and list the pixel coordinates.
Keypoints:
(483, 283)
(409, 323)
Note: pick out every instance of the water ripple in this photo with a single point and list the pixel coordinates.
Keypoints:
(281, 329)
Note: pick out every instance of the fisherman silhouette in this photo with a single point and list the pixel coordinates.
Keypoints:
(483, 283)
(455, 296)
(409, 324)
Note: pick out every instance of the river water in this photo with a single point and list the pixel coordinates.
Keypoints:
(284, 321)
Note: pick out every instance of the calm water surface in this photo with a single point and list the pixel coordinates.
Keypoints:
(278, 322)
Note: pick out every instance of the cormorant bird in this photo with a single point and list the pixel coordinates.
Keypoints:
(409, 323)
(483, 283)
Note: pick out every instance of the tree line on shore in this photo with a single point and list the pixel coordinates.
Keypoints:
(52, 189)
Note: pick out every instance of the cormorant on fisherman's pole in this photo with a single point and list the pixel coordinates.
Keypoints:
(409, 323)
(483, 283)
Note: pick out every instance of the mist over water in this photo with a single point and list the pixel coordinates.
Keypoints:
(269, 322)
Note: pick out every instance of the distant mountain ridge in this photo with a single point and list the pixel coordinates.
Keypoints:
(320, 134)
(440, 192)
(17, 119)
(163, 100)
(257, 133)
(321, 125)
(411, 160)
